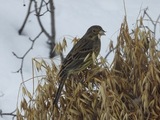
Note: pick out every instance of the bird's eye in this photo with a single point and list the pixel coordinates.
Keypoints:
(94, 31)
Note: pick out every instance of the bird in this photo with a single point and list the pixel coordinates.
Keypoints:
(80, 56)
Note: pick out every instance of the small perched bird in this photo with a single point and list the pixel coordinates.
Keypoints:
(80, 56)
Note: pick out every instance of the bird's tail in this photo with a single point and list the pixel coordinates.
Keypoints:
(62, 81)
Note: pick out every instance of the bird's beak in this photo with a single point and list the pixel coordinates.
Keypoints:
(102, 32)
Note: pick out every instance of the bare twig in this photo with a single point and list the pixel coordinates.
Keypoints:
(44, 5)
(25, 54)
(28, 13)
(53, 33)
(49, 6)
(158, 22)
(52, 20)
(111, 50)
(8, 114)
(51, 36)
(145, 13)
(38, 11)
(152, 21)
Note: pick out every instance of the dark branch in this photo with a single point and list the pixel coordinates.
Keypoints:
(38, 11)
(8, 114)
(25, 54)
(110, 52)
(28, 13)
(152, 21)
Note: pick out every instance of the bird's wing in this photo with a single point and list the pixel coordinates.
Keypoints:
(77, 54)
(73, 60)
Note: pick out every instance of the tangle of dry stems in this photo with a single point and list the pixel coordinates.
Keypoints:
(128, 90)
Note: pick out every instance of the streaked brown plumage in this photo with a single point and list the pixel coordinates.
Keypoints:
(80, 56)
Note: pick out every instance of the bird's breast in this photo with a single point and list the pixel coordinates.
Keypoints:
(97, 46)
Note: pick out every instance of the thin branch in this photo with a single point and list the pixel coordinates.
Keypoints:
(139, 12)
(49, 6)
(155, 26)
(39, 20)
(110, 52)
(28, 13)
(152, 21)
(43, 13)
(158, 22)
(53, 33)
(145, 13)
(52, 20)
(25, 54)
(8, 114)
(42, 6)
(17, 56)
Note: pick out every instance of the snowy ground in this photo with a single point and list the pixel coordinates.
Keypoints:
(72, 20)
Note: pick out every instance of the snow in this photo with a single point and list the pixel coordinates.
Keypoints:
(73, 18)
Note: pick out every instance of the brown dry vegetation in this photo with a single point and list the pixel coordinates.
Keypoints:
(129, 89)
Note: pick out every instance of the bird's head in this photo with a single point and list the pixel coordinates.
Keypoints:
(96, 30)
